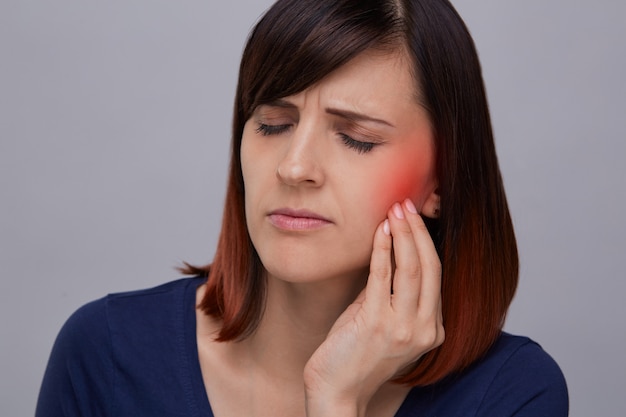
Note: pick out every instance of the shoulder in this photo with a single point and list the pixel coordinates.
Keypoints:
(119, 332)
(93, 318)
(159, 300)
(519, 355)
(515, 378)
(527, 377)
(133, 320)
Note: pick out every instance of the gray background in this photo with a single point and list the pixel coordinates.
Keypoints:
(114, 130)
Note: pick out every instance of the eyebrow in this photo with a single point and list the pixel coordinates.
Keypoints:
(357, 117)
(345, 114)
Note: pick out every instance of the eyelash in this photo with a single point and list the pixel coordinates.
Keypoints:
(267, 130)
(357, 145)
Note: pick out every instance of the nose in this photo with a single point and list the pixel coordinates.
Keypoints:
(301, 165)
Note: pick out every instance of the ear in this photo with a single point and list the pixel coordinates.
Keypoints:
(432, 205)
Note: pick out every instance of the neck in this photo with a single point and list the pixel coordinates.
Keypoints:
(297, 318)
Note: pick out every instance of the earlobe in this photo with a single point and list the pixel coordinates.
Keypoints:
(432, 205)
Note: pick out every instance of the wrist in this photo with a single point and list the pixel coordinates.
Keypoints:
(319, 404)
(324, 398)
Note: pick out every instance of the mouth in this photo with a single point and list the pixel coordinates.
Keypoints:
(297, 220)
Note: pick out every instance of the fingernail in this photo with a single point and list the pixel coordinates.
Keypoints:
(410, 206)
(386, 227)
(397, 211)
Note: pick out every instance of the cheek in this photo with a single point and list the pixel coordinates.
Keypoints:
(400, 184)
(409, 179)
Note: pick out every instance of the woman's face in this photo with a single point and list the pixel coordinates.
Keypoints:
(322, 167)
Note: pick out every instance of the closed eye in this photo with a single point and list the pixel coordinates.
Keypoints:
(357, 145)
(267, 130)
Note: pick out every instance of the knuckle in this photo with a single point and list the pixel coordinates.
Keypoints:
(383, 244)
(402, 336)
(406, 229)
(413, 270)
(429, 338)
(432, 335)
(376, 328)
(379, 330)
(441, 336)
(435, 265)
(380, 271)
(420, 226)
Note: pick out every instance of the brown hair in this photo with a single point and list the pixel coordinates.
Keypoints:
(295, 45)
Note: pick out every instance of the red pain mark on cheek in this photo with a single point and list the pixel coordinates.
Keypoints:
(401, 181)
(393, 186)
(403, 185)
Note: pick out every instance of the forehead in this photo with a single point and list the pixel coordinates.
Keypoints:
(376, 82)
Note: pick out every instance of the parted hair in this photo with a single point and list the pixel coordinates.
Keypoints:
(295, 45)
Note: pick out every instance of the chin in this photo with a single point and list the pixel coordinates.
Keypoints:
(294, 269)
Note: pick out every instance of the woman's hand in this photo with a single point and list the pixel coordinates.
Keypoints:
(395, 320)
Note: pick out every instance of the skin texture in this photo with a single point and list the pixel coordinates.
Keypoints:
(336, 226)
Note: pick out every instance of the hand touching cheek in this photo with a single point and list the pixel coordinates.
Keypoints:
(396, 319)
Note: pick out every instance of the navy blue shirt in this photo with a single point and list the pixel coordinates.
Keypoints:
(135, 354)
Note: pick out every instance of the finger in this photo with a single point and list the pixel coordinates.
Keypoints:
(430, 264)
(407, 274)
(377, 290)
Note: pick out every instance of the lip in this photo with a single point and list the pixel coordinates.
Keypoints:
(297, 219)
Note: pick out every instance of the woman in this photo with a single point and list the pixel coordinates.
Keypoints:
(364, 215)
